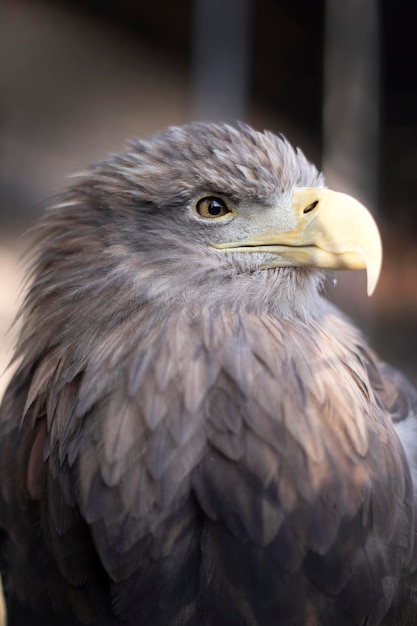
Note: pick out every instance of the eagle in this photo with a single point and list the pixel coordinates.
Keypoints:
(194, 435)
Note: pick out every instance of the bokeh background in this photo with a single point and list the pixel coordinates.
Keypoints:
(337, 78)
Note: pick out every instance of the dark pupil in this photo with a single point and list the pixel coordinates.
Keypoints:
(215, 207)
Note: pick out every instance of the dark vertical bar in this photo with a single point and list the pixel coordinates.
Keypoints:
(351, 98)
(221, 58)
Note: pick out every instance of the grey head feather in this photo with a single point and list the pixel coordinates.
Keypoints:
(125, 229)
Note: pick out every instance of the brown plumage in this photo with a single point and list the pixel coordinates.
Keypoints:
(194, 436)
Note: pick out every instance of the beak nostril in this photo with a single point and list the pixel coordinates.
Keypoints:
(311, 207)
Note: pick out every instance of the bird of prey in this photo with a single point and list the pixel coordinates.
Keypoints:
(194, 435)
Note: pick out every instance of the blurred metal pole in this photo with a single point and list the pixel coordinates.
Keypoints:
(351, 98)
(221, 50)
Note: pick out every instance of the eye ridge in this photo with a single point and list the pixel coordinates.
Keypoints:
(212, 207)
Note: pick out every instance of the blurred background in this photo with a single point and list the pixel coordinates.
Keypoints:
(337, 78)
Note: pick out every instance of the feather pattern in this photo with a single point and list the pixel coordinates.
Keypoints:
(189, 439)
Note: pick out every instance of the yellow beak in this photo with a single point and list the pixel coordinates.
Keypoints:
(333, 231)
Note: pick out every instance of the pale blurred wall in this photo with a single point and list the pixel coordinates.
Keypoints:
(73, 88)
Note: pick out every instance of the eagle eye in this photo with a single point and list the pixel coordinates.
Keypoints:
(212, 207)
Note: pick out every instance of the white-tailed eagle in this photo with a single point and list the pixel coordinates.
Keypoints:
(194, 435)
